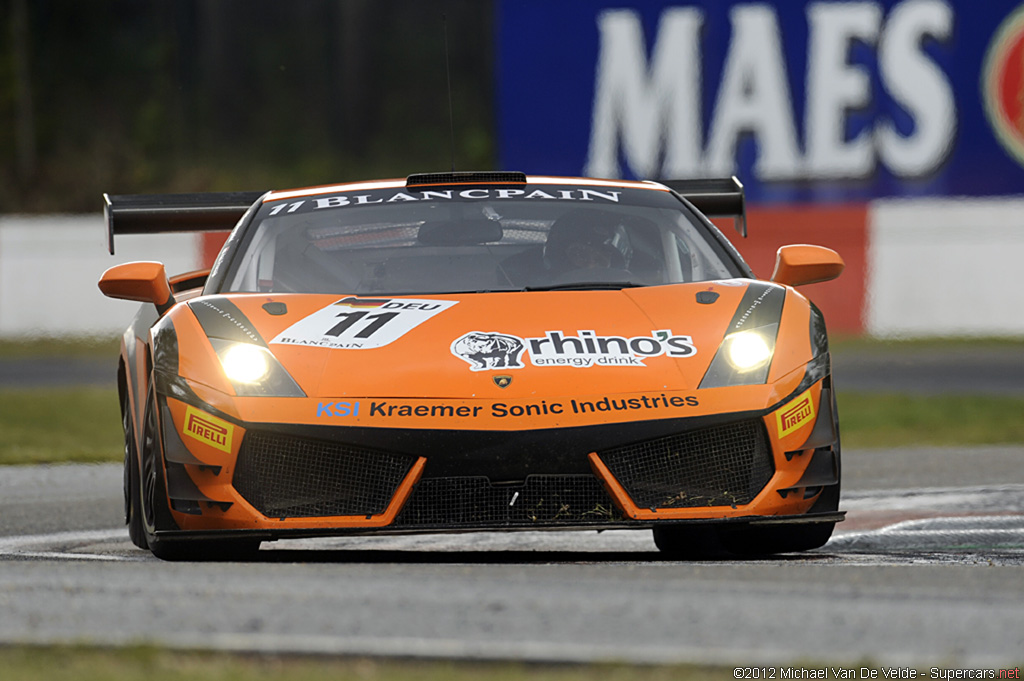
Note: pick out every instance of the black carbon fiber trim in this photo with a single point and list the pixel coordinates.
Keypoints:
(720, 466)
(818, 333)
(165, 346)
(761, 305)
(290, 477)
(220, 318)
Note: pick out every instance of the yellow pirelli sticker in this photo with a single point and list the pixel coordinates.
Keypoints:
(798, 413)
(208, 429)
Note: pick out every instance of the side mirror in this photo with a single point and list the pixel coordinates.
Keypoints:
(145, 282)
(803, 264)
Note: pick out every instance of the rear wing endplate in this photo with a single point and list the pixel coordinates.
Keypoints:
(155, 213)
(719, 197)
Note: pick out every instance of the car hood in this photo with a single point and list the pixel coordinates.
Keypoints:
(516, 344)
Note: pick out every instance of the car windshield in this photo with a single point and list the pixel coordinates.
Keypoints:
(397, 242)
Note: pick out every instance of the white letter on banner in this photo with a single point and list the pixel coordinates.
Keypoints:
(754, 97)
(332, 202)
(835, 86)
(647, 104)
(919, 86)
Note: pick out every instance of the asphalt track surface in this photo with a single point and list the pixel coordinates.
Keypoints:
(932, 575)
(927, 570)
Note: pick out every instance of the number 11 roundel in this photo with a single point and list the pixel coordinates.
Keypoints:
(361, 323)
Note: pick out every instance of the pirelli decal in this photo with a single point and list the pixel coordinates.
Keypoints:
(799, 413)
(208, 429)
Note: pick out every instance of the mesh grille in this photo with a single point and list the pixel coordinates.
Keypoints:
(456, 177)
(541, 500)
(720, 466)
(283, 476)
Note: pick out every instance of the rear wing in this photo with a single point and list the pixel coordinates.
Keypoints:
(720, 197)
(154, 213)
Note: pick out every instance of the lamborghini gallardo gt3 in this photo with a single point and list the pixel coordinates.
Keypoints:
(474, 351)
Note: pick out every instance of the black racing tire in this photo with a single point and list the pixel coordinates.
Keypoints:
(768, 540)
(156, 513)
(689, 542)
(152, 495)
(710, 542)
(132, 485)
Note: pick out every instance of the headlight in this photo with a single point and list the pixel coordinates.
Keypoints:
(244, 363)
(747, 350)
(743, 358)
(253, 370)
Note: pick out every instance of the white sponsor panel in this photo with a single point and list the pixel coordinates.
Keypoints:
(50, 266)
(490, 350)
(945, 267)
(361, 323)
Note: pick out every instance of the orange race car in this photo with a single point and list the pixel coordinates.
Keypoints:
(474, 351)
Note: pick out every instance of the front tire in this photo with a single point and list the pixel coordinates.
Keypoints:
(704, 542)
(689, 542)
(132, 484)
(151, 491)
(156, 513)
(763, 541)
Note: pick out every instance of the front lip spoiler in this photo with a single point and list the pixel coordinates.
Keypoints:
(296, 533)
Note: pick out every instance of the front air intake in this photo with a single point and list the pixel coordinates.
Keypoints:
(291, 477)
(718, 466)
(539, 501)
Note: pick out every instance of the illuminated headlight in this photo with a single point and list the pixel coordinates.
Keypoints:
(747, 350)
(244, 363)
(253, 370)
(743, 358)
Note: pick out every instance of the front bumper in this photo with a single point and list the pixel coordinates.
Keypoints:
(273, 480)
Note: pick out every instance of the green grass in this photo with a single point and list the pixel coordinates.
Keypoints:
(893, 420)
(59, 346)
(53, 425)
(28, 663)
(840, 344)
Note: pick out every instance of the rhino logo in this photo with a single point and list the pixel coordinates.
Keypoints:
(486, 351)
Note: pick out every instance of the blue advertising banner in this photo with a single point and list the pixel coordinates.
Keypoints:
(804, 101)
